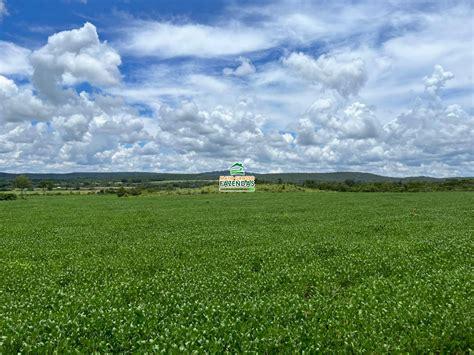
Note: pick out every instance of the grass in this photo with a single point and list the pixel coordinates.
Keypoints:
(237, 272)
(207, 189)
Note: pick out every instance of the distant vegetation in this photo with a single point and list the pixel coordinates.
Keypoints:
(141, 177)
(123, 192)
(7, 197)
(130, 183)
(22, 183)
(387, 186)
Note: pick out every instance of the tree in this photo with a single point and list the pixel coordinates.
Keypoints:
(349, 182)
(22, 182)
(136, 191)
(121, 192)
(46, 185)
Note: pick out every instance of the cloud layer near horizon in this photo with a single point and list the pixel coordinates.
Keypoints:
(67, 106)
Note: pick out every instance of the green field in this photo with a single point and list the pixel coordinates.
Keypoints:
(263, 272)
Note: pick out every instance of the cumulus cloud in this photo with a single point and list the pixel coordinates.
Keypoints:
(75, 128)
(432, 131)
(431, 136)
(245, 68)
(18, 104)
(72, 128)
(344, 74)
(437, 80)
(72, 57)
(220, 132)
(297, 113)
(14, 59)
(359, 122)
(328, 119)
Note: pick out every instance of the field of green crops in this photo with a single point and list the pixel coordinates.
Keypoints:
(262, 272)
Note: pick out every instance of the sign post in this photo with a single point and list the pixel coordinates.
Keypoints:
(237, 181)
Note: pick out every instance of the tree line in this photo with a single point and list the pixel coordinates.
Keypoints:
(23, 183)
(393, 186)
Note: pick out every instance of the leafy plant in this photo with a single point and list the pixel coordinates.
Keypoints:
(259, 273)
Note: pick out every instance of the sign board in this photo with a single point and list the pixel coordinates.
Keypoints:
(237, 181)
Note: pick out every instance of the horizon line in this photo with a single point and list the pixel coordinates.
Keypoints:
(218, 171)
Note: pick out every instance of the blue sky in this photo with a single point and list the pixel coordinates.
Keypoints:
(177, 86)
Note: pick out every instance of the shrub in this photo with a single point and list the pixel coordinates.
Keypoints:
(135, 191)
(121, 192)
(8, 197)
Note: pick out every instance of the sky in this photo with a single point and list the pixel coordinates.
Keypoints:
(283, 86)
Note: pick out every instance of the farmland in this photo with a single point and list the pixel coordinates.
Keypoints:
(263, 272)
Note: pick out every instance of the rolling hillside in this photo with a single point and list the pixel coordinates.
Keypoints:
(275, 177)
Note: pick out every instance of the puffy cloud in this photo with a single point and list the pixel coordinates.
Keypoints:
(431, 132)
(18, 104)
(426, 137)
(78, 139)
(437, 80)
(221, 132)
(344, 74)
(7, 87)
(359, 122)
(46, 125)
(72, 57)
(72, 128)
(77, 129)
(245, 68)
(14, 59)
(328, 119)
(307, 134)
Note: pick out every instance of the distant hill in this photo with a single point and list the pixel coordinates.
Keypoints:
(339, 177)
(214, 175)
(98, 176)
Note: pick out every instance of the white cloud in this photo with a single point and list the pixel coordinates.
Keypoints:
(413, 53)
(246, 29)
(77, 129)
(164, 39)
(18, 104)
(3, 9)
(360, 122)
(432, 131)
(73, 57)
(245, 68)
(72, 128)
(429, 138)
(437, 80)
(327, 120)
(14, 59)
(297, 112)
(206, 83)
(220, 132)
(344, 74)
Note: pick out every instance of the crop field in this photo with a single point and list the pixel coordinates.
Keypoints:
(262, 272)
